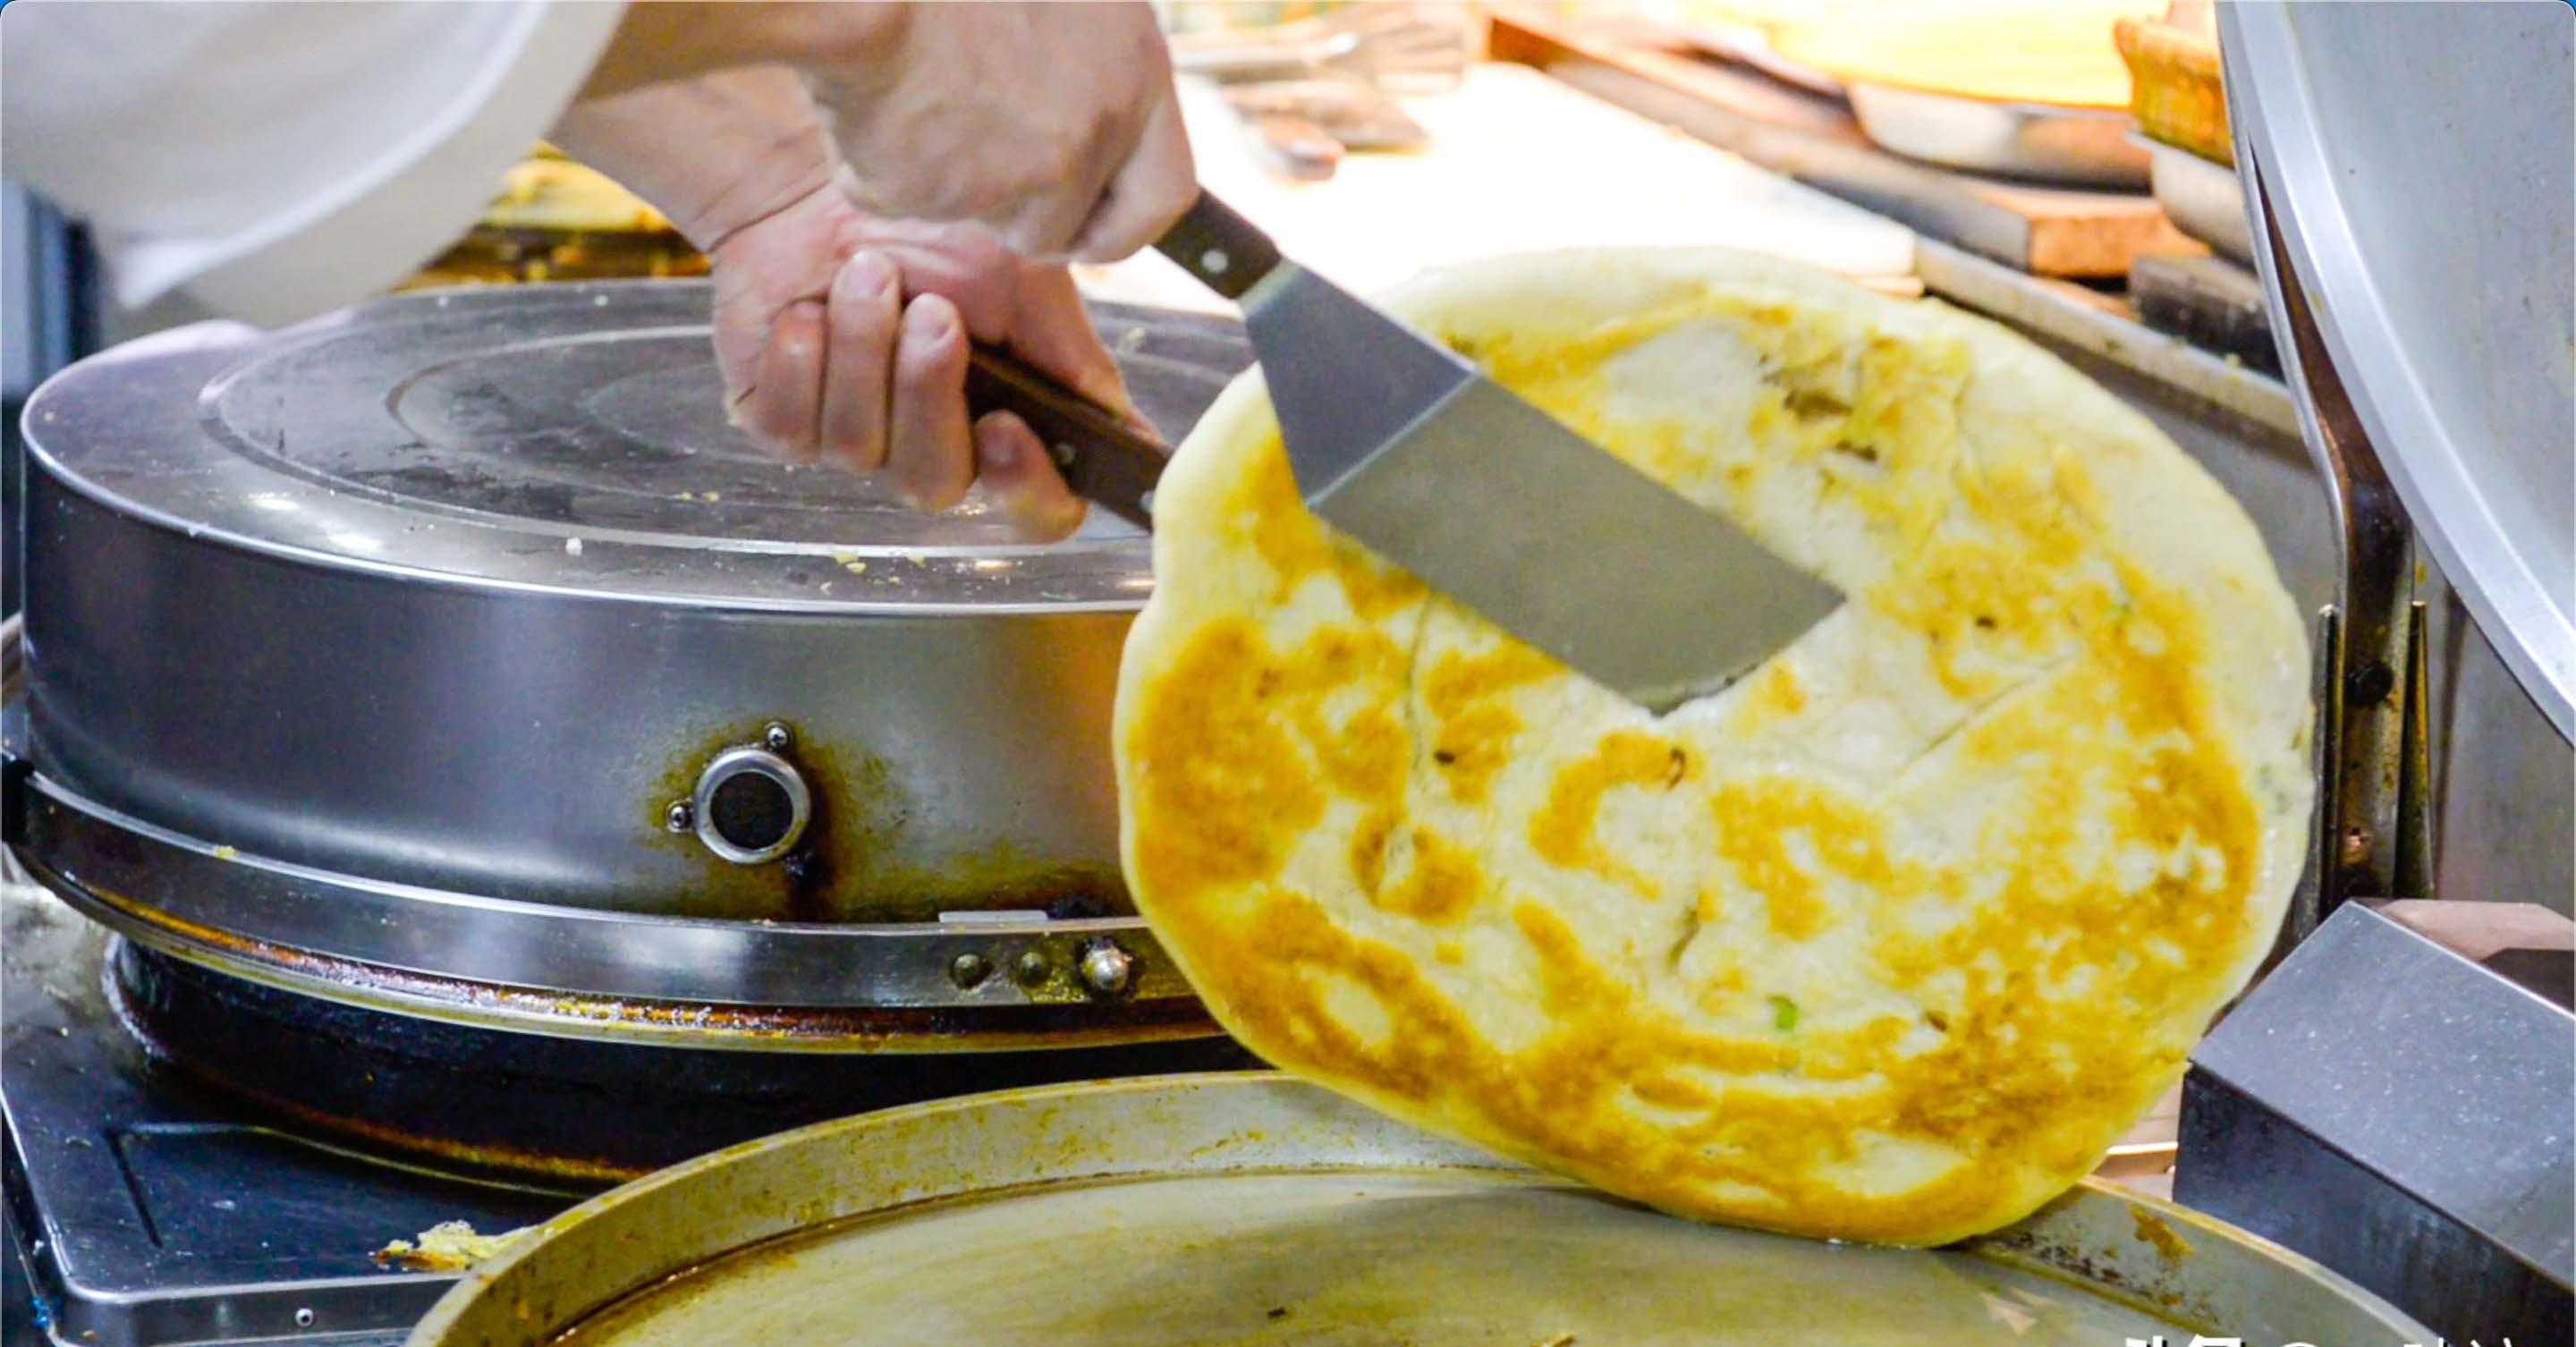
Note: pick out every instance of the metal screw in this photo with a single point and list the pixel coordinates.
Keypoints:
(679, 817)
(969, 970)
(2372, 682)
(1106, 968)
(1031, 968)
(1214, 261)
(776, 737)
(303, 1318)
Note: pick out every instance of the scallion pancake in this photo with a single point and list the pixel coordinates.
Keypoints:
(1888, 941)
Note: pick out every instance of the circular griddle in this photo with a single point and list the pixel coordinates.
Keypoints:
(398, 657)
(474, 434)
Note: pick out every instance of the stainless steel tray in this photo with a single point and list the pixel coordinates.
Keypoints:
(2085, 147)
(2203, 199)
(1254, 1208)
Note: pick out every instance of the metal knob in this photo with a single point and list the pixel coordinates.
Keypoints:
(1106, 969)
(751, 805)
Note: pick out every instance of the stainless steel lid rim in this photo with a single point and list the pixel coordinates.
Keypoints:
(995, 1145)
(559, 439)
(97, 856)
(851, 609)
(952, 562)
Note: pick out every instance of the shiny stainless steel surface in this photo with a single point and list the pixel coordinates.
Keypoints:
(2388, 1106)
(2086, 147)
(412, 594)
(154, 1214)
(2203, 199)
(1256, 1208)
(2440, 279)
(1408, 448)
(584, 972)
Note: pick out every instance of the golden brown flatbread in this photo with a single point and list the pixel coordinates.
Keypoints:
(1886, 942)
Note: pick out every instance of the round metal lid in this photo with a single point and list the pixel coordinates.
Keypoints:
(571, 438)
(1251, 1208)
(2420, 163)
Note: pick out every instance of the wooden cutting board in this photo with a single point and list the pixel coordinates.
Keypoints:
(2047, 231)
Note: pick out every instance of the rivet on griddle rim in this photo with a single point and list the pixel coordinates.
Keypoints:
(776, 737)
(1107, 969)
(2372, 682)
(678, 817)
(968, 970)
(1032, 967)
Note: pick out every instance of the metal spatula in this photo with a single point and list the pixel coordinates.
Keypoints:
(1407, 448)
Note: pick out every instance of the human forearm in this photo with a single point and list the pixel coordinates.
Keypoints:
(1054, 125)
(668, 40)
(715, 154)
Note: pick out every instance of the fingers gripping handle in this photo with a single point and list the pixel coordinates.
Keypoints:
(1101, 457)
(1223, 249)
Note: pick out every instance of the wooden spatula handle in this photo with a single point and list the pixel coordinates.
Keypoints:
(1102, 457)
(1224, 250)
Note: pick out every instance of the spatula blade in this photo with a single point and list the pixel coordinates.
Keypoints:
(1407, 448)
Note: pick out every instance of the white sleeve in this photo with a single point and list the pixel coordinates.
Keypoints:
(276, 159)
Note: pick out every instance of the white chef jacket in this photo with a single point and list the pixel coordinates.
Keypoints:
(277, 158)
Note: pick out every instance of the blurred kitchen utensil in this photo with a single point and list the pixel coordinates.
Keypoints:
(2203, 199)
(2041, 142)
(1746, 45)
(1354, 112)
(1293, 146)
(1406, 48)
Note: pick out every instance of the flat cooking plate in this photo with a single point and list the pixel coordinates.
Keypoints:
(478, 434)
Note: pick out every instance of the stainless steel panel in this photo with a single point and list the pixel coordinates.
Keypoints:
(2452, 1083)
(154, 1216)
(2243, 1163)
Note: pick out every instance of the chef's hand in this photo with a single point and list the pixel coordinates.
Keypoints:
(1055, 125)
(841, 335)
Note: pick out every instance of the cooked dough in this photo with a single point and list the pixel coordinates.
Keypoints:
(1888, 941)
